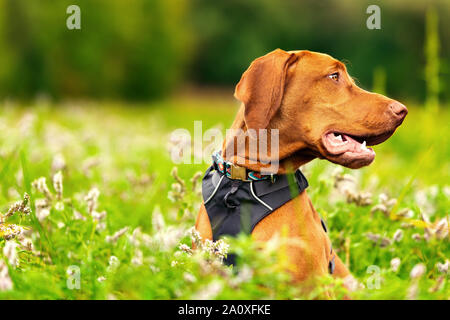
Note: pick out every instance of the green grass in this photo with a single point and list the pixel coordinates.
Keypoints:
(122, 150)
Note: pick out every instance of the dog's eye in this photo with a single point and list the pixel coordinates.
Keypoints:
(334, 76)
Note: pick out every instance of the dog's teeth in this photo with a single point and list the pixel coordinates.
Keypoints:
(363, 145)
(339, 137)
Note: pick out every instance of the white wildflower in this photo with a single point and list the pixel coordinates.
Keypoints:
(189, 277)
(113, 264)
(352, 284)
(58, 184)
(43, 213)
(438, 285)
(196, 178)
(423, 202)
(416, 237)
(165, 239)
(427, 234)
(417, 271)
(13, 193)
(413, 290)
(433, 191)
(41, 186)
(221, 248)
(185, 248)
(26, 243)
(135, 237)
(245, 275)
(5, 280)
(147, 240)
(99, 217)
(10, 252)
(384, 204)
(10, 231)
(209, 292)
(138, 258)
(59, 206)
(42, 208)
(101, 226)
(378, 239)
(346, 184)
(379, 207)
(441, 229)
(58, 163)
(92, 200)
(383, 198)
(113, 239)
(446, 191)
(398, 235)
(195, 236)
(405, 213)
(19, 206)
(88, 164)
(155, 269)
(443, 267)
(111, 297)
(391, 202)
(157, 219)
(395, 264)
(78, 216)
(180, 182)
(425, 217)
(26, 123)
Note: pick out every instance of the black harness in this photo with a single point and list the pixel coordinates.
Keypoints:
(235, 206)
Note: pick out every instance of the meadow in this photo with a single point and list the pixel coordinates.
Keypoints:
(112, 219)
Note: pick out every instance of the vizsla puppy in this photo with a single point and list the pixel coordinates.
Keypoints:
(319, 113)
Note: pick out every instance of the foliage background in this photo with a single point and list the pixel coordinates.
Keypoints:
(141, 49)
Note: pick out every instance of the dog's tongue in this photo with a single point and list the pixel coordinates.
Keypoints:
(354, 143)
(341, 143)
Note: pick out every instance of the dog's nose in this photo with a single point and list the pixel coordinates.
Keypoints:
(398, 109)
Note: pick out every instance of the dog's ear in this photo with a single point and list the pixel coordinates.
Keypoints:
(261, 87)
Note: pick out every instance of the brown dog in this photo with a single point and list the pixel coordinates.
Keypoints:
(320, 113)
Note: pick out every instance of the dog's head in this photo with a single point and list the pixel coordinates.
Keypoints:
(317, 108)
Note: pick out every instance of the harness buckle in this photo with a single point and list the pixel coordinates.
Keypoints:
(238, 173)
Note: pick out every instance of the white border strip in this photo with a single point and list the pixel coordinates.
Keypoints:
(260, 201)
(215, 190)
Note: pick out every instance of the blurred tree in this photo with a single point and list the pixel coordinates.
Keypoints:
(125, 49)
(379, 80)
(231, 33)
(140, 49)
(432, 58)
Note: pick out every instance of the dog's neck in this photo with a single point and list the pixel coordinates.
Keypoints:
(290, 154)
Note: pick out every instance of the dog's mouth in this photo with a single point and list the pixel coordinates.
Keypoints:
(352, 150)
